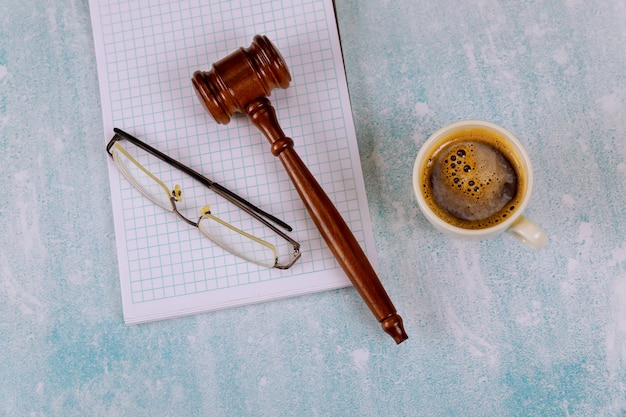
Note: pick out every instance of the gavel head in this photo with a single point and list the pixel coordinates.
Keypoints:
(240, 78)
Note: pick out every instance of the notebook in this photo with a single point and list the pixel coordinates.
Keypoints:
(146, 54)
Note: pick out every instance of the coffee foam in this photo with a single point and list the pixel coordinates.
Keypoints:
(472, 180)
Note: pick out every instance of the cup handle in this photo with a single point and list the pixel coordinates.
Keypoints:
(528, 233)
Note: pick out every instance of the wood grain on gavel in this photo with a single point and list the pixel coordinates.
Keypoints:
(241, 82)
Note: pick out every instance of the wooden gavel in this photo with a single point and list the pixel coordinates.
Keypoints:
(241, 82)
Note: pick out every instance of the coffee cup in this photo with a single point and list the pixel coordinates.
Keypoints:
(473, 179)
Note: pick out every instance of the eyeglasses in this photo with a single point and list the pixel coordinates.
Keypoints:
(232, 239)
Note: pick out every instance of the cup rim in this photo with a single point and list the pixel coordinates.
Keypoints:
(421, 158)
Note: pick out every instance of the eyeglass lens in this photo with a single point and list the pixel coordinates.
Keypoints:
(238, 242)
(141, 179)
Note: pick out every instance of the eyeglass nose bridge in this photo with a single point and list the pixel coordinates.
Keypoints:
(173, 200)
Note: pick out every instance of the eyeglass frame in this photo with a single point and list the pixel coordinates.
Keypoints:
(254, 211)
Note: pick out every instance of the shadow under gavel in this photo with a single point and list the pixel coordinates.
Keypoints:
(241, 82)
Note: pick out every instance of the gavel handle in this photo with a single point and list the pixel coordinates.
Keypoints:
(331, 225)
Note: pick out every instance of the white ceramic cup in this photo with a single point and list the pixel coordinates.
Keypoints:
(515, 223)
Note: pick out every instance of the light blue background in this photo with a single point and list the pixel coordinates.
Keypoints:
(495, 329)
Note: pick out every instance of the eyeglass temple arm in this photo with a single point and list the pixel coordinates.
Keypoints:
(219, 189)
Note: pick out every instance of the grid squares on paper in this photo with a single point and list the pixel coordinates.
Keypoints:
(151, 49)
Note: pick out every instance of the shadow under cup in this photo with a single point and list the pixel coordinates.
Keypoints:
(443, 145)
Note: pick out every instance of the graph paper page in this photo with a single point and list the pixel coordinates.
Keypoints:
(146, 54)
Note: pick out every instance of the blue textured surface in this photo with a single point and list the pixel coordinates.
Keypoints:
(496, 329)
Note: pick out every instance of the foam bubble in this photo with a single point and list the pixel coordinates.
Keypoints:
(472, 180)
